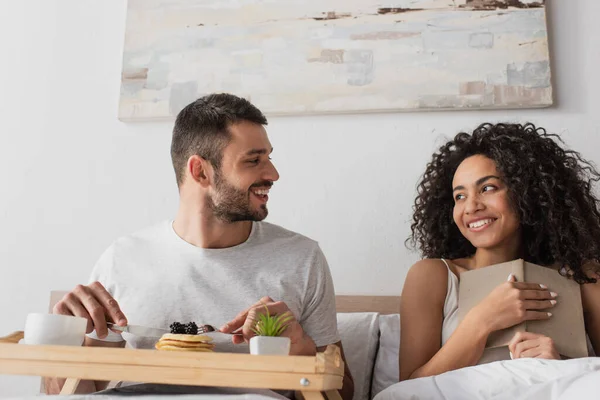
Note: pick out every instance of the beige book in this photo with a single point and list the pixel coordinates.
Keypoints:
(566, 326)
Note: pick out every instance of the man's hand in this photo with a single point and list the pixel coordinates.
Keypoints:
(533, 345)
(94, 303)
(242, 324)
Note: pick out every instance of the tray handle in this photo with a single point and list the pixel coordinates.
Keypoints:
(13, 337)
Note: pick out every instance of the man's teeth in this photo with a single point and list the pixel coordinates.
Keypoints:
(262, 192)
(479, 223)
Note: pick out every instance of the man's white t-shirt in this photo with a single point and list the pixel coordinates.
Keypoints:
(158, 278)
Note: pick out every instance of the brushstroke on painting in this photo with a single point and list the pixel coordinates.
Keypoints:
(335, 56)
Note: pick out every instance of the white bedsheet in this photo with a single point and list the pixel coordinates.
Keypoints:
(522, 379)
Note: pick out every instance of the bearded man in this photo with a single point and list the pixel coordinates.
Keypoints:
(217, 262)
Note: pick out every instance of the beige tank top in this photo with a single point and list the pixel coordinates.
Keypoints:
(451, 321)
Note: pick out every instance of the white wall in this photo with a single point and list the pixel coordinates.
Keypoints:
(73, 178)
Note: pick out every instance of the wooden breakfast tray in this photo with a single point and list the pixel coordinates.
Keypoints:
(309, 375)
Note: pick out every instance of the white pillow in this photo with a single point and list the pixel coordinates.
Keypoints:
(386, 371)
(359, 333)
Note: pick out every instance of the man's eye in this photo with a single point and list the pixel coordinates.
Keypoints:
(255, 161)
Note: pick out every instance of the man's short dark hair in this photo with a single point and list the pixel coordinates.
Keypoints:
(202, 128)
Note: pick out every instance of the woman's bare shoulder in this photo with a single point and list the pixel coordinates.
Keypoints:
(592, 270)
(426, 285)
(429, 266)
(428, 273)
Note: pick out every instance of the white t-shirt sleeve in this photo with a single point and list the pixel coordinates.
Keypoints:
(319, 317)
(103, 266)
(101, 273)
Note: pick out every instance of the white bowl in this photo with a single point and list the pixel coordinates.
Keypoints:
(54, 329)
(270, 345)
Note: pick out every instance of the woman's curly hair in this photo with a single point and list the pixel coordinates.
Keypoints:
(550, 189)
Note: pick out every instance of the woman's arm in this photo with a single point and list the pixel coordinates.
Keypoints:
(590, 297)
(422, 308)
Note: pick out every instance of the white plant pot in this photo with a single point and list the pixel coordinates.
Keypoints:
(270, 345)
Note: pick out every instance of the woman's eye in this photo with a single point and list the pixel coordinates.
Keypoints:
(459, 197)
(487, 188)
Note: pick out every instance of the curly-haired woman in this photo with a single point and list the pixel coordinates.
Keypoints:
(503, 192)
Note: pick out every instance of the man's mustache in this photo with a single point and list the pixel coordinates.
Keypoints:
(267, 184)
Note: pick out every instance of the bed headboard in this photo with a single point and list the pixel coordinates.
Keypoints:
(344, 303)
(380, 304)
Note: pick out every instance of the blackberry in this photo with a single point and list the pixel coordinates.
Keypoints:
(177, 327)
(191, 328)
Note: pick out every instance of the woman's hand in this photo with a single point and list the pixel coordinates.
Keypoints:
(514, 302)
(532, 345)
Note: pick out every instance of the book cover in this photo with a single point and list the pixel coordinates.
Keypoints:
(566, 326)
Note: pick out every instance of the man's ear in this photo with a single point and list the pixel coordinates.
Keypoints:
(200, 170)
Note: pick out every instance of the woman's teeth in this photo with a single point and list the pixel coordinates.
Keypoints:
(480, 223)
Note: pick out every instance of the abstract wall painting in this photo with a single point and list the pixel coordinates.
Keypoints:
(295, 57)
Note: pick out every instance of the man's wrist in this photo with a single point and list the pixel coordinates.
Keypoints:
(311, 346)
(305, 347)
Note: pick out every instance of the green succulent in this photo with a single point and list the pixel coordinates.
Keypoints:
(271, 325)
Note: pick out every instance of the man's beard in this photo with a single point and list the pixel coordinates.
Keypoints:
(232, 204)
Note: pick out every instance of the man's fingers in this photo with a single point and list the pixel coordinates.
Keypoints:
(110, 305)
(235, 323)
(276, 308)
(75, 308)
(70, 305)
(240, 319)
(93, 303)
(94, 308)
(249, 324)
(237, 339)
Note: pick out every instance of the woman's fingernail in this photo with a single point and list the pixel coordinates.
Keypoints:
(511, 356)
(223, 327)
(509, 277)
(549, 314)
(553, 302)
(122, 322)
(543, 286)
(553, 294)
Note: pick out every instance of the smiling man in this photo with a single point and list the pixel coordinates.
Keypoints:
(217, 263)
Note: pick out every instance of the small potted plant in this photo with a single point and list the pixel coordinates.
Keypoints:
(268, 329)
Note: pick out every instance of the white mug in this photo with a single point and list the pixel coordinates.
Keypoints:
(54, 329)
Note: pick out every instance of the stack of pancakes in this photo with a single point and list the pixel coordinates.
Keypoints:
(180, 342)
